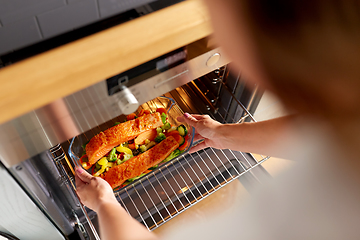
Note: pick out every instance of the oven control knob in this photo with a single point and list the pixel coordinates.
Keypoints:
(213, 59)
(127, 101)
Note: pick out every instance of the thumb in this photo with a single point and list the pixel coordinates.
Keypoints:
(188, 119)
(83, 175)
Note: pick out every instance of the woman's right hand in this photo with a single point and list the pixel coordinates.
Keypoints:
(206, 129)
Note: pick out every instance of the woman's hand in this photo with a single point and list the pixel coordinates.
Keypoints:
(114, 221)
(254, 137)
(205, 128)
(92, 191)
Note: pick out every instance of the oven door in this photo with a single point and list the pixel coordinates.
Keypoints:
(20, 216)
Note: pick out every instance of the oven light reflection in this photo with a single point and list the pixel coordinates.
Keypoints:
(183, 190)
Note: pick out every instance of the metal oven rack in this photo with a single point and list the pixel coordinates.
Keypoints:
(166, 192)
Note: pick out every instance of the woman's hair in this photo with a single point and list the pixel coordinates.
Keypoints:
(310, 51)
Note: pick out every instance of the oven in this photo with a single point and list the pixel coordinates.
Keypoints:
(37, 172)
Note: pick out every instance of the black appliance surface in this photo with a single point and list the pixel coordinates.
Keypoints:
(29, 27)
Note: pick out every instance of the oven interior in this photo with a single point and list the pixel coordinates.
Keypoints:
(171, 189)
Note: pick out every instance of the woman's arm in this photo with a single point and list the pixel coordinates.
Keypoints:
(254, 137)
(114, 221)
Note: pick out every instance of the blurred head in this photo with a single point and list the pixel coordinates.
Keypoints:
(307, 52)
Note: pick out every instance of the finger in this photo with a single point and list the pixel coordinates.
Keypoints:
(83, 175)
(78, 182)
(199, 117)
(198, 147)
(180, 119)
(189, 119)
(185, 117)
(195, 116)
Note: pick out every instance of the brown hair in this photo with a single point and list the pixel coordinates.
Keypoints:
(310, 52)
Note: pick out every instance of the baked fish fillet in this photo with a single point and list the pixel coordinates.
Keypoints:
(103, 142)
(137, 165)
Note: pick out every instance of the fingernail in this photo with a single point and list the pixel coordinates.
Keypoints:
(79, 170)
(187, 115)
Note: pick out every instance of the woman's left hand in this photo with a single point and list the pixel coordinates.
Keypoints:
(92, 191)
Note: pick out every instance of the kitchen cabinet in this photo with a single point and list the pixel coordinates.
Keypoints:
(36, 81)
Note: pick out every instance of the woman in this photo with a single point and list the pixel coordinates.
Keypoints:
(307, 53)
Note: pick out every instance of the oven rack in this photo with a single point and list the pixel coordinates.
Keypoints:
(166, 192)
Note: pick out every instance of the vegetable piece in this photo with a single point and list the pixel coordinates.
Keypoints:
(186, 143)
(84, 147)
(97, 167)
(124, 150)
(125, 144)
(172, 155)
(109, 165)
(166, 126)
(131, 116)
(150, 144)
(163, 118)
(145, 147)
(84, 159)
(159, 130)
(127, 157)
(103, 168)
(84, 165)
(161, 110)
(84, 162)
(124, 158)
(100, 167)
(176, 135)
(153, 167)
(172, 129)
(116, 123)
(182, 141)
(150, 135)
(142, 148)
(160, 137)
(99, 172)
(103, 161)
(182, 130)
(132, 146)
(112, 155)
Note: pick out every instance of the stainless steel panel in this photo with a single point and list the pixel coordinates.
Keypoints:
(42, 181)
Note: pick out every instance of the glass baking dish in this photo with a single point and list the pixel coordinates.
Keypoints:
(75, 150)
